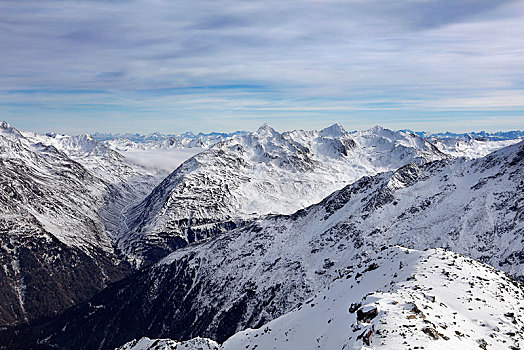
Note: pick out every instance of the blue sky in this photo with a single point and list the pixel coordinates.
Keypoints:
(174, 66)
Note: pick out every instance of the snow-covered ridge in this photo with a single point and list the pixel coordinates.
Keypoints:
(168, 344)
(239, 178)
(260, 173)
(255, 274)
(482, 135)
(158, 137)
(57, 217)
(96, 156)
(469, 147)
(400, 298)
(126, 142)
(160, 153)
(126, 181)
(59, 192)
(77, 173)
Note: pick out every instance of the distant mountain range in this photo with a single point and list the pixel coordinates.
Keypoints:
(482, 135)
(156, 136)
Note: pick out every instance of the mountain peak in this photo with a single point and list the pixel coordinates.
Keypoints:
(265, 126)
(6, 128)
(87, 137)
(266, 130)
(335, 130)
(381, 131)
(377, 128)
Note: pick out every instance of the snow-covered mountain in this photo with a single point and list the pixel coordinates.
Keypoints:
(261, 173)
(160, 153)
(72, 208)
(54, 247)
(482, 135)
(469, 147)
(400, 298)
(403, 299)
(397, 298)
(171, 142)
(265, 269)
(94, 155)
(158, 140)
(62, 194)
(129, 182)
(61, 202)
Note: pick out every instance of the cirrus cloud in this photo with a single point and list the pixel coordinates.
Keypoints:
(172, 66)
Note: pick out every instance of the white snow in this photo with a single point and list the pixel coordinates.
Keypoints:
(88, 192)
(266, 172)
(471, 148)
(73, 185)
(430, 299)
(168, 344)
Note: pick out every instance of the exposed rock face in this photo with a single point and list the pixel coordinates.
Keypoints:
(366, 315)
(42, 276)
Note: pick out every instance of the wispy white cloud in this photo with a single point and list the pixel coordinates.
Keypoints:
(177, 63)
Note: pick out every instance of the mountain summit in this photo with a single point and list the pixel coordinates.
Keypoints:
(260, 173)
(335, 130)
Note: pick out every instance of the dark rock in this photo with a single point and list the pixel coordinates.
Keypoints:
(367, 316)
(354, 307)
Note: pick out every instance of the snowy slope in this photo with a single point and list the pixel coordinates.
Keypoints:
(261, 173)
(162, 153)
(94, 155)
(167, 344)
(64, 201)
(397, 299)
(60, 193)
(128, 182)
(257, 273)
(55, 248)
(403, 299)
(264, 172)
(469, 147)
